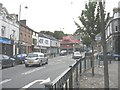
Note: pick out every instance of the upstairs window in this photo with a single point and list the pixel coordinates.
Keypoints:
(41, 41)
(116, 29)
(3, 31)
(46, 41)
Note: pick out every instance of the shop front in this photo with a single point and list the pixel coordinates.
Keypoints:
(7, 46)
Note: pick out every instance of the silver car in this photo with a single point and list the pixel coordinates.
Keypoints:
(77, 55)
(36, 58)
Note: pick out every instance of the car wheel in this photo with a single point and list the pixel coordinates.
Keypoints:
(40, 64)
(116, 58)
(26, 65)
(13, 64)
(22, 62)
(47, 61)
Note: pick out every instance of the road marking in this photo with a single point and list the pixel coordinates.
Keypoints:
(7, 80)
(31, 71)
(42, 82)
(55, 63)
(59, 60)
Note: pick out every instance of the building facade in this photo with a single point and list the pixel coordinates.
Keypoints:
(54, 46)
(25, 44)
(70, 44)
(35, 39)
(113, 32)
(9, 32)
(44, 43)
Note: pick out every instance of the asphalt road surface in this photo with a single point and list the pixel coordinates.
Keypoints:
(34, 76)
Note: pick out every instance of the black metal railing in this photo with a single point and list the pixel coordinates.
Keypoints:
(71, 77)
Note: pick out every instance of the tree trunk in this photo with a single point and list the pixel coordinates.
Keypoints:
(106, 75)
(93, 58)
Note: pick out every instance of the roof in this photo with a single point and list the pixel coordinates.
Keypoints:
(69, 39)
(47, 36)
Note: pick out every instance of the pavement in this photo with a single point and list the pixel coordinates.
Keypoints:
(97, 81)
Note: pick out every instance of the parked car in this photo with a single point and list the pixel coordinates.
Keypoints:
(36, 58)
(6, 61)
(109, 56)
(63, 52)
(20, 58)
(116, 56)
(76, 55)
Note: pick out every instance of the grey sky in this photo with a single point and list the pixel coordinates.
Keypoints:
(51, 14)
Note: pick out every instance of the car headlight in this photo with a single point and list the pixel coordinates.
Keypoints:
(25, 60)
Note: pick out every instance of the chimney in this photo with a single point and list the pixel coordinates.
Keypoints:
(23, 22)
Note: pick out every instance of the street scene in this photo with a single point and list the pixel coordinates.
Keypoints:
(60, 44)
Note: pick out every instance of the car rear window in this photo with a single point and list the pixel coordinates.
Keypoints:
(32, 55)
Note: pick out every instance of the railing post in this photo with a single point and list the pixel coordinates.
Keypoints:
(77, 76)
(80, 67)
(48, 86)
(91, 60)
(71, 82)
(85, 64)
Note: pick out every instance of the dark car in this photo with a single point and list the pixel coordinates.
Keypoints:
(109, 56)
(116, 56)
(6, 61)
(20, 58)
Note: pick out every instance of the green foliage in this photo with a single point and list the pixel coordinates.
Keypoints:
(87, 40)
(59, 34)
(56, 34)
(47, 32)
(90, 18)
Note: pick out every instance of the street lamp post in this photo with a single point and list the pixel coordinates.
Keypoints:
(19, 27)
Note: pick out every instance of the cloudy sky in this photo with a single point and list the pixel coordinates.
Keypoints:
(51, 14)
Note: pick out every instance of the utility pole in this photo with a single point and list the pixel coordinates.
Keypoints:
(106, 75)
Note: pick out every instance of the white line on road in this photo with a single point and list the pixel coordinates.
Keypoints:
(31, 71)
(59, 60)
(42, 82)
(55, 63)
(7, 80)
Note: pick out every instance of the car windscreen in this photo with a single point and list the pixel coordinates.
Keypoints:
(32, 55)
(77, 53)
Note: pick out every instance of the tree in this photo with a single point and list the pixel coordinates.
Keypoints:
(90, 22)
(47, 32)
(87, 41)
(58, 34)
(103, 25)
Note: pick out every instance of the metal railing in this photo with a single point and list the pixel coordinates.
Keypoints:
(71, 77)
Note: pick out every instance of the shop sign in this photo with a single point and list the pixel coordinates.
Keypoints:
(5, 40)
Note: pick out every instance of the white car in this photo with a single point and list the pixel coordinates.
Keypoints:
(77, 55)
(36, 58)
